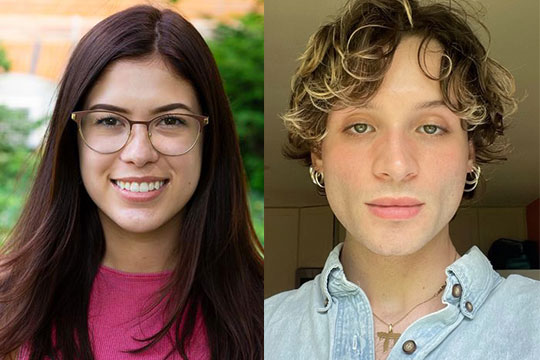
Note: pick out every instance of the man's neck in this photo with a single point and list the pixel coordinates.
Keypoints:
(395, 284)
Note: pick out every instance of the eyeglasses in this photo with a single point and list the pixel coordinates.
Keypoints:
(107, 132)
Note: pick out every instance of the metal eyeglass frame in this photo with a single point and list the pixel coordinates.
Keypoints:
(203, 121)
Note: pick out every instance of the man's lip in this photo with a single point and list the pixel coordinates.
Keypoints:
(140, 179)
(401, 201)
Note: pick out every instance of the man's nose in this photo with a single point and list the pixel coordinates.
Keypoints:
(395, 157)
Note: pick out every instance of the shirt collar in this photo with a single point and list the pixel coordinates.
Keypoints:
(333, 282)
(476, 278)
(473, 272)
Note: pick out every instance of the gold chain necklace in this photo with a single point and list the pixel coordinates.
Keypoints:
(391, 335)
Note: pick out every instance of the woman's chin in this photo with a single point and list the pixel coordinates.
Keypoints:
(137, 222)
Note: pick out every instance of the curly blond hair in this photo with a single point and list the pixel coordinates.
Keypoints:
(346, 60)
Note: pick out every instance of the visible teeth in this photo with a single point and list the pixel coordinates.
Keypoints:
(139, 187)
(143, 187)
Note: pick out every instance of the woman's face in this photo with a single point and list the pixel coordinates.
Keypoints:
(139, 87)
(404, 144)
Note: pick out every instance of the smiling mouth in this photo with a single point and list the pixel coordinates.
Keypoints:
(140, 187)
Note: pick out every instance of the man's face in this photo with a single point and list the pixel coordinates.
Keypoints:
(404, 148)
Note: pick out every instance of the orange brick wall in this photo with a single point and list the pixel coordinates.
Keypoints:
(56, 25)
(102, 8)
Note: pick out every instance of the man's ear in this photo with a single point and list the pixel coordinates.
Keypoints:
(316, 160)
(472, 156)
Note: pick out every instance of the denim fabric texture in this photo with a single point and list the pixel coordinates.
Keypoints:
(330, 318)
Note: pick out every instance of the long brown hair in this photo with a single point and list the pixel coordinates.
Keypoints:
(54, 252)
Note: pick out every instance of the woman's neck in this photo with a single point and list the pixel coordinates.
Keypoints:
(141, 252)
(395, 284)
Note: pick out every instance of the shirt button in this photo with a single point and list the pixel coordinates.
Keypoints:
(456, 290)
(469, 306)
(409, 346)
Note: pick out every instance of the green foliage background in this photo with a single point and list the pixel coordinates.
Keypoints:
(238, 50)
(16, 165)
(239, 53)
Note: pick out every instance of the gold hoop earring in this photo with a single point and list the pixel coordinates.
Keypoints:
(476, 170)
(316, 177)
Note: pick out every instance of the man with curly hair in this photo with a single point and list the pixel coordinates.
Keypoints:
(394, 107)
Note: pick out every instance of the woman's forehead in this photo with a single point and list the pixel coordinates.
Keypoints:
(141, 83)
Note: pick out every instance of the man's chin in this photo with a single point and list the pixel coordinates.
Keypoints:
(395, 244)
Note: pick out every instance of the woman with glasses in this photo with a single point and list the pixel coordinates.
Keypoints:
(136, 241)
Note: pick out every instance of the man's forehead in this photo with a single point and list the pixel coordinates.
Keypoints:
(420, 105)
(373, 105)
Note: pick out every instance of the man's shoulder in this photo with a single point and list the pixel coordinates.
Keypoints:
(310, 297)
(295, 324)
(521, 288)
(520, 298)
(293, 303)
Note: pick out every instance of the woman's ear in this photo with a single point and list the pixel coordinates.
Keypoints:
(472, 156)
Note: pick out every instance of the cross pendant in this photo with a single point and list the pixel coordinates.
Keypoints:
(387, 336)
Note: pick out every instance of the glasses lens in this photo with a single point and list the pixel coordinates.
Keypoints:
(174, 134)
(103, 131)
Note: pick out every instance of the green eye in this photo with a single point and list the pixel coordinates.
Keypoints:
(431, 129)
(360, 128)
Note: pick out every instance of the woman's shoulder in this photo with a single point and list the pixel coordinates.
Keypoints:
(4, 272)
(13, 355)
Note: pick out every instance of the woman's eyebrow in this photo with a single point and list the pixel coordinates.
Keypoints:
(160, 109)
(172, 107)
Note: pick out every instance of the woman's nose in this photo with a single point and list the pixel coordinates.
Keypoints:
(139, 149)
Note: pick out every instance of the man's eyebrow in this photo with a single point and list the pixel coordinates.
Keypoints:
(367, 105)
(430, 104)
(160, 109)
(420, 106)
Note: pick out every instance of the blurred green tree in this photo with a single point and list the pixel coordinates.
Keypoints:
(16, 164)
(5, 64)
(239, 53)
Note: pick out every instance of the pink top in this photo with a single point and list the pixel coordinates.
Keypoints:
(116, 304)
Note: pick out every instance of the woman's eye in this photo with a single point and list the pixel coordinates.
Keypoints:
(360, 128)
(108, 121)
(432, 129)
(172, 121)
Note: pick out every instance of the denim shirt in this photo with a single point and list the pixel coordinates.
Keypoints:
(330, 318)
